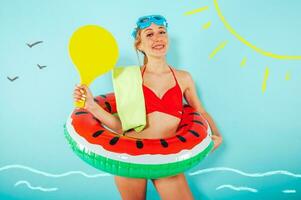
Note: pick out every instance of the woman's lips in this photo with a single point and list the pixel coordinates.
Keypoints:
(158, 46)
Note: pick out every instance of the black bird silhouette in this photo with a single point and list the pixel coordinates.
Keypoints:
(13, 79)
(41, 67)
(33, 44)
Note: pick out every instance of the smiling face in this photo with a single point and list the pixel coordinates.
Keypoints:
(154, 41)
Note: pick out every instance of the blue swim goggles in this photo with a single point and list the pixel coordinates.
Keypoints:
(146, 21)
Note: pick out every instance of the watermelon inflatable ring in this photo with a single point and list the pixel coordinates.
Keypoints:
(138, 158)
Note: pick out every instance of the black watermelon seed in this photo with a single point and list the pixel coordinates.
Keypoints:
(104, 96)
(195, 113)
(187, 105)
(96, 100)
(164, 143)
(139, 144)
(81, 113)
(96, 119)
(199, 122)
(181, 138)
(97, 133)
(181, 127)
(108, 106)
(194, 133)
(114, 140)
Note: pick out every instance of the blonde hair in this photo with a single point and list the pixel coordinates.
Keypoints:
(137, 42)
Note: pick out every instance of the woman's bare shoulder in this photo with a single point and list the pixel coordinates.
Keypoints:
(183, 77)
(182, 74)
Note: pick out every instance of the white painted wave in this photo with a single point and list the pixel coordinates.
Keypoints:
(35, 188)
(269, 173)
(289, 191)
(237, 188)
(202, 171)
(7, 167)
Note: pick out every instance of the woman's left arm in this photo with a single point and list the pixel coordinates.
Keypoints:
(193, 100)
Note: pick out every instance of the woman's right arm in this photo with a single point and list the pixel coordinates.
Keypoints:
(83, 93)
(111, 121)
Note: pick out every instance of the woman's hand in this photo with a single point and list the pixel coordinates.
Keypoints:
(83, 93)
(217, 140)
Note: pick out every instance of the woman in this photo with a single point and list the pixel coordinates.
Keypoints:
(164, 88)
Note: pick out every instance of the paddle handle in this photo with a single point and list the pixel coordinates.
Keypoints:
(79, 104)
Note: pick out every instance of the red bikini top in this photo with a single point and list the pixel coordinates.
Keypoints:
(170, 103)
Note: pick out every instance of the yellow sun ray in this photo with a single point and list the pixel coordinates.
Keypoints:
(247, 43)
(243, 62)
(288, 75)
(218, 48)
(196, 10)
(207, 25)
(265, 78)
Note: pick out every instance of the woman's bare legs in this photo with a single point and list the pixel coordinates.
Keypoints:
(174, 187)
(131, 188)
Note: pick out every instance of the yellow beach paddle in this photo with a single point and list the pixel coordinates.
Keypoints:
(94, 52)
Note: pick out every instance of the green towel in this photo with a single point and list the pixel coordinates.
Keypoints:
(127, 83)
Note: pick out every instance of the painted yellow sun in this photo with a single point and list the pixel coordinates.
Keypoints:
(244, 41)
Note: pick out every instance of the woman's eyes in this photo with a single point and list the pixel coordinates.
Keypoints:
(151, 34)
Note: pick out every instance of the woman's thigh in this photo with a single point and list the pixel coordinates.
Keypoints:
(174, 187)
(131, 188)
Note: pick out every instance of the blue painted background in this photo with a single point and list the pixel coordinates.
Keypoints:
(261, 130)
